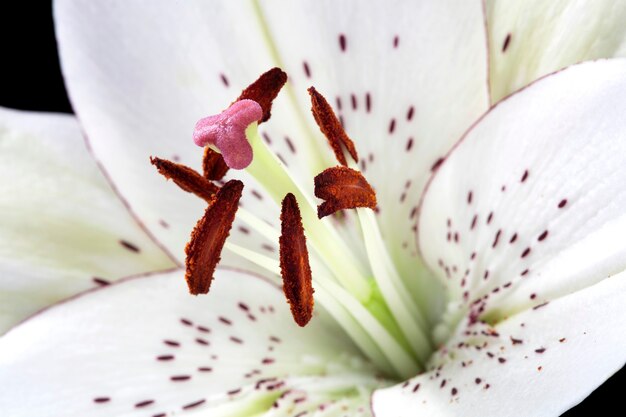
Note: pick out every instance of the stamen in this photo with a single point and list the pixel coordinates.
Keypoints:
(227, 131)
(331, 127)
(213, 166)
(186, 178)
(264, 90)
(294, 262)
(208, 237)
(342, 188)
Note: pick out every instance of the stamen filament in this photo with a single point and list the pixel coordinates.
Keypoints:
(410, 321)
(365, 330)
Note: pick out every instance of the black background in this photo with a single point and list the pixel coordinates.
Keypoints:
(30, 79)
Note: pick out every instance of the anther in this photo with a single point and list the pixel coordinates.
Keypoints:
(294, 262)
(186, 178)
(342, 188)
(208, 237)
(331, 127)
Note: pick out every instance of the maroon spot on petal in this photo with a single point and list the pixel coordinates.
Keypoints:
(101, 281)
(205, 369)
(234, 391)
(267, 138)
(225, 321)
(454, 391)
(513, 238)
(416, 387)
(392, 126)
(243, 306)
(543, 236)
(396, 41)
(368, 102)
(470, 195)
(186, 322)
(561, 340)
(354, 102)
(524, 177)
(501, 360)
(267, 361)
(236, 340)
(172, 343)
(307, 70)
(496, 239)
(524, 272)
(268, 247)
(474, 220)
(165, 358)
(410, 113)
(562, 203)
(533, 296)
(290, 145)
(516, 341)
(203, 329)
(338, 101)
(478, 381)
(540, 350)
(144, 403)
(540, 305)
(506, 43)
(202, 342)
(179, 378)
(342, 42)
(525, 253)
(224, 80)
(159, 415)
(490, 217)
(437, 164)
(164, 224)
(409, 144)
(100, 400)
(127, 245)
(257, 194)
(193, 404)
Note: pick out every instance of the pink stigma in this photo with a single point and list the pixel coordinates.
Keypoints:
(227, 132)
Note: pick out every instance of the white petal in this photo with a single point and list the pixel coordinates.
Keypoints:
(543, 174)
(139, 88)
(140, 74)
(407, 79)
(529, 39)
(544, 361)
(149, 347)
(63, 229)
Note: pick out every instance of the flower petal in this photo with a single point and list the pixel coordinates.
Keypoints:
(529, 39)
(141, 77)
(63, 229)
(146, 347)
(545, 215)
(537, 363)
(410, 77)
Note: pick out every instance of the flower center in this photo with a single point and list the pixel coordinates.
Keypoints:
(357, 283)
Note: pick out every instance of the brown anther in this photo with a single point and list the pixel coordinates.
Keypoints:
(208, 237)
(265, 89)
(213, 166)
(342, 188)
(186, 178)
(331, 127)
(294, 262)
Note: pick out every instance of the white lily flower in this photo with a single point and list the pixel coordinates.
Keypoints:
(513, 305)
